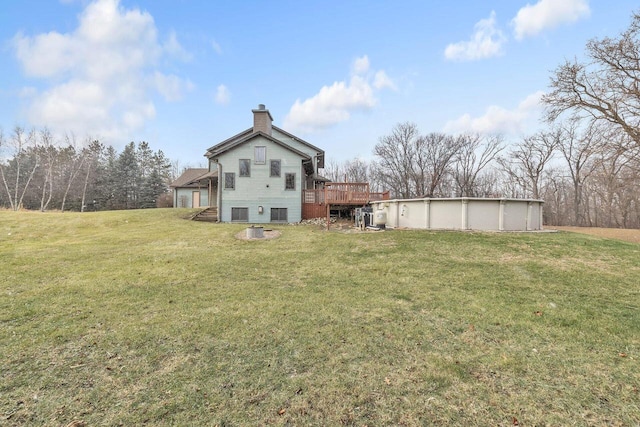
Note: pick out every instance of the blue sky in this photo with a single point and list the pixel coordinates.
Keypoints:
(185, 74)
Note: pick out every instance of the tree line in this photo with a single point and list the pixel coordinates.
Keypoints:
(40, 172)
(587, 175)
(585, 164)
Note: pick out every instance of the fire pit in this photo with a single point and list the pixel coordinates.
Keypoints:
(254, 232)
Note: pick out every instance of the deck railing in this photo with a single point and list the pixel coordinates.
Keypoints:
(374, 197)
(343, 193)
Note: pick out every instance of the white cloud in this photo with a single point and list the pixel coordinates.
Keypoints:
(486, 42)
(171, 87)
(360, 65)
(381, 81)
(28, 92)
(497, 119)
(334, 104)
(173, 47)
(216, 47)
(533, 19)
(223, 96)
(104, 72)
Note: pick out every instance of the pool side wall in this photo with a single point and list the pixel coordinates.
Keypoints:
(463, 213)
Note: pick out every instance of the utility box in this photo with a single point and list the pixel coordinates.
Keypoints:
(380, 219)
(363, 217)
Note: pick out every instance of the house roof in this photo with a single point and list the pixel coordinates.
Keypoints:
(317, 177)
(204, 177)
(313, 147)
(188, 177)
(245, 136)
(221, 145)
(248, 133)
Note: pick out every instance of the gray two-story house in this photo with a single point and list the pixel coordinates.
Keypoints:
(256, 176)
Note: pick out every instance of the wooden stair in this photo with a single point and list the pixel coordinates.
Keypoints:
(209, 214)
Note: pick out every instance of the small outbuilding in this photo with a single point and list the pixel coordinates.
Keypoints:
(188, 192)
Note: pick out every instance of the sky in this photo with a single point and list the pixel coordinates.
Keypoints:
(184, 75)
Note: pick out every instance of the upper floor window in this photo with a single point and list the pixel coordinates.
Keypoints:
(289, 181)
(229, 181)
(245, 167)
(274, 169)
(260, 155)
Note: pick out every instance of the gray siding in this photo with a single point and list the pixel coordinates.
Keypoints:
(183, 197)
(260, 189)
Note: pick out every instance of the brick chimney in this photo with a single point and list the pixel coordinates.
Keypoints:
(262, 120)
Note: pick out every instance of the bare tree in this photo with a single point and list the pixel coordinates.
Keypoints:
(74, 162)
(3, 143)
(578, 148)
(355, 170)
(473, 156)
(526, 161)
(616, 170)
(435, 157)
(92, 155)
(396, 159)
(557, 196)
(48, 160)
(333, 170)
(13, 175)
(604, 89)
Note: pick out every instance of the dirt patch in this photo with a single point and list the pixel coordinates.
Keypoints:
(268, 234)
(628, 235)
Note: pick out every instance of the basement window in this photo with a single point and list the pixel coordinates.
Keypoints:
(278, 214)
(240, 214)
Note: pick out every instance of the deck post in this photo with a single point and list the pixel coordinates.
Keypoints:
(328, 215)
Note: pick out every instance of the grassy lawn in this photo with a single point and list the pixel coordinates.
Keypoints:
(142, 317)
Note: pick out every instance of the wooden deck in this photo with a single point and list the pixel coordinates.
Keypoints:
(315, 202)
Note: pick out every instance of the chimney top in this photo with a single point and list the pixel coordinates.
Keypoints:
(262, 120)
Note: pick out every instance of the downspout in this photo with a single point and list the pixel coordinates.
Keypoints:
(220, 184)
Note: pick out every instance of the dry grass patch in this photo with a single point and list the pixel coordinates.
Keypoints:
(626, 234)
(132, 318)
